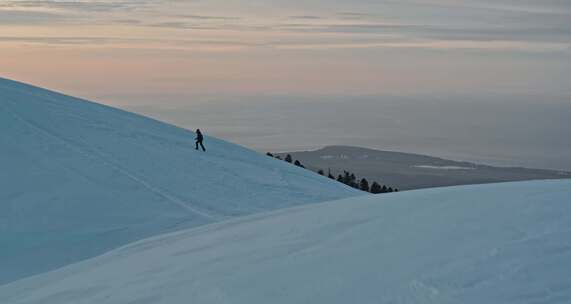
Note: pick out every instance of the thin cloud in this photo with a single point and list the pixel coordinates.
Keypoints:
(65, 40)
(83, 6)
(166, 44)
(512, 22)
(182, 25)
(206, 17)
(538, 33)
(17, 17)
(354, 15)
(128, 21)
(306, 17)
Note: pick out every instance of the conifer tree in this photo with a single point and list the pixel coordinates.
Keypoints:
(353, 181)
(376, 188)
(320, 172)
(346, 178)
(288, 158)
(350, 180)
(364, 185)
(269, 154)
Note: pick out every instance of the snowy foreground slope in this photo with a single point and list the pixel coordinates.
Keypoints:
(500, 243)
(78, 179)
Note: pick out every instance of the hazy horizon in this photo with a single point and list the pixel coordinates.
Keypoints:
(457, 127)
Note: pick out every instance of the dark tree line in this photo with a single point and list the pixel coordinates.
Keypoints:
(346, 178)
(288, 159)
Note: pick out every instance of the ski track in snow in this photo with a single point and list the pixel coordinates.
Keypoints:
(93, 154)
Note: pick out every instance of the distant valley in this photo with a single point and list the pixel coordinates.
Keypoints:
(408, 171)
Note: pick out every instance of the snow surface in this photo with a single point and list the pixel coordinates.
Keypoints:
(78, 178)
(500, 243)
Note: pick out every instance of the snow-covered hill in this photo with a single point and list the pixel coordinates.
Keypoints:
(500, 243)
(78, 178)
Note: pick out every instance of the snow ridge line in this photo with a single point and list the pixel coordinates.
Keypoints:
(97, 156)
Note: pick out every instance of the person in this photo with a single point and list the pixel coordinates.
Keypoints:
(199, 140)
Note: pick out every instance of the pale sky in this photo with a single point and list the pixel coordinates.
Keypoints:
(127, 52)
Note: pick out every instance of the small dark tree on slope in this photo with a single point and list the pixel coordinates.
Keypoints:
(376, 188)
(364, 185)
(298, 163)
(347, 178)
(320, 172)
(269, 154)
(353, 181)
(288, 158)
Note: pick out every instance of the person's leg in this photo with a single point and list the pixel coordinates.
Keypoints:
(203, 148)
(197, 145)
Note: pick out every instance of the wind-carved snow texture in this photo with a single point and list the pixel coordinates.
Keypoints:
(498, 243)
(78, 179)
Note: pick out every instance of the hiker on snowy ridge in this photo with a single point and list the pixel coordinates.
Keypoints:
(199, 139)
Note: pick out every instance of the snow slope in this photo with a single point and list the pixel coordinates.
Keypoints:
(78, 178)
(499, 243)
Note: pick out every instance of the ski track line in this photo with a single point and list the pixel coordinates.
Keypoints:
(154, 189)
(121, 170)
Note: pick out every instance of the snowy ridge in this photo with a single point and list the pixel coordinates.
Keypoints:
(497, 243)
(79, 178)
